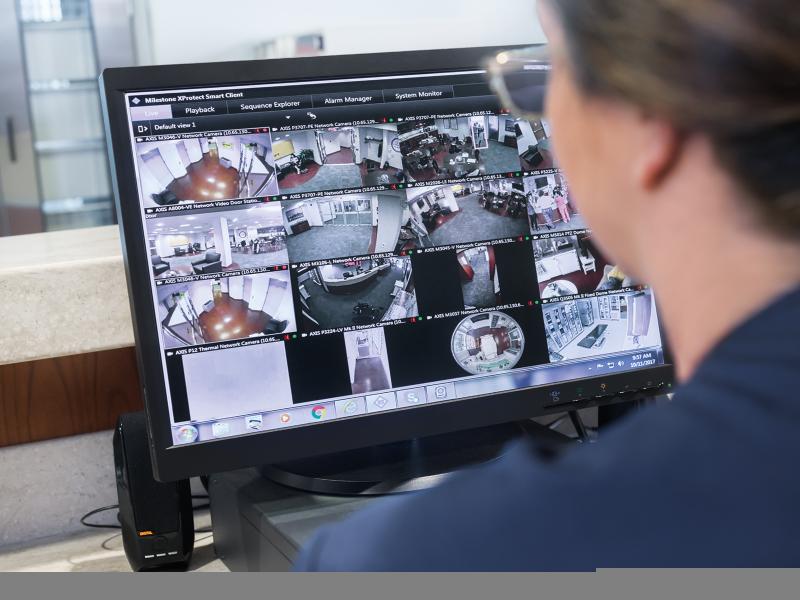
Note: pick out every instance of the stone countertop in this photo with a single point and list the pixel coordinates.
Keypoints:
(63, 293)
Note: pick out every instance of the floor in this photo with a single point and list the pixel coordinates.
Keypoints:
(499, 158)
(181, 264)
(475, 223)
(326, 177)
(576, 223)
(294, 179)
(231, 319)
(262, 259)
(373, 177)
(370, 376)
(344, 156)
(330, 241)
(479, 293)
(206, 180)
(336, 310)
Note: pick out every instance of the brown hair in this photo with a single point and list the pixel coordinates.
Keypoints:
(729, 69)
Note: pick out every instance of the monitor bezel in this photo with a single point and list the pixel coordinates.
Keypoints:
(172, 462)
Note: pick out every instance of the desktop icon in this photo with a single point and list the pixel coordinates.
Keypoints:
(254, 422)
(286, 418)
(349, 407)
(220, 429)
(411, 398)
(187, 434)
(318, 412)
(441, 392)
(381, 402)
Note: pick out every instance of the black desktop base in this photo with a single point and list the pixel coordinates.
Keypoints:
(260, 524)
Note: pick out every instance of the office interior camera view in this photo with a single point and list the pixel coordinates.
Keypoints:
(210, 241)
(348, 225)
(337, 158)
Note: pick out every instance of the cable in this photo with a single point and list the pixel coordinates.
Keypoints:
(97, 511)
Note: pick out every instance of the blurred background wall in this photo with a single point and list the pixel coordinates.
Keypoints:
(53, 165)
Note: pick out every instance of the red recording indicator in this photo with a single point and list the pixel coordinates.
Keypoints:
(286, 337)
(413, 319)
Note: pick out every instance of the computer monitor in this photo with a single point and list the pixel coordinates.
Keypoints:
(331, 253)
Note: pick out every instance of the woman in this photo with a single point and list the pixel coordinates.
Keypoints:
(562, 204)
(677, 123)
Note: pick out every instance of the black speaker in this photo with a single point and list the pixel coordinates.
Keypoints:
(156, 518)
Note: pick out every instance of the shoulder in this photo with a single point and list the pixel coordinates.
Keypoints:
(649, 494)
(493, 517)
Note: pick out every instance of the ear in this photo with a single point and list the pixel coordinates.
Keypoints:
(660, 147)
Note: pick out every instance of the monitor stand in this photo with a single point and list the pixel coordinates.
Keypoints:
(406, 466)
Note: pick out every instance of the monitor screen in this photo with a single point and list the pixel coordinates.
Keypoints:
(336, 248)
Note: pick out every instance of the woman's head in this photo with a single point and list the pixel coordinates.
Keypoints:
(637, 82)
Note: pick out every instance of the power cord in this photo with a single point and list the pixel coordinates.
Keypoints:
(96, 511)
(103, 509)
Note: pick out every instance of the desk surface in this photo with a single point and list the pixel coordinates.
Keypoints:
(98, 550)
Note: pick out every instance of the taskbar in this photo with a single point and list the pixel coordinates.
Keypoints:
(585, 379)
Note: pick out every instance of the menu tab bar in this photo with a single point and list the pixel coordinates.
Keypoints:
(328, 117)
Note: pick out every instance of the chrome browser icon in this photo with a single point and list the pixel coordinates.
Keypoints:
(318, 412)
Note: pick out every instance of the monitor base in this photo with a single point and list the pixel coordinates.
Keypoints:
(406, 466)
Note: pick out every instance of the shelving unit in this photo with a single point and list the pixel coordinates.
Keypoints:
(51, 110)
